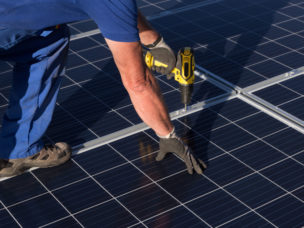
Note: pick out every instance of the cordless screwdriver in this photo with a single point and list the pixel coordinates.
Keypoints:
(183, 72)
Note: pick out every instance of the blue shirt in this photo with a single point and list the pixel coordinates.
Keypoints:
(117, 19)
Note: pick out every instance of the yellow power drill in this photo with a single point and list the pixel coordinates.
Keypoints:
(183, 72)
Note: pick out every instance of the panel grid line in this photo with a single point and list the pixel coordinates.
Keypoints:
(262, 205)
(113, 197)
(159, 186)
(9, 212)
(289, 156)
(226, 152)
(54, 197)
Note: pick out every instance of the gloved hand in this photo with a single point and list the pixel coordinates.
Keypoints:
(172, 143)
(163, 53)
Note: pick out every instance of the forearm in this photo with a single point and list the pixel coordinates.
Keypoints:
(147, 33)
(148, 103)
(141, 86)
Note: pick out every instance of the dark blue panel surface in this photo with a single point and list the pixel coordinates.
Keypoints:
(293, 11)
(204, 90)
(179, 218)
(130, 113)
(221, 207)
(287, 174)
(276, 94)
(81, 195)
(252, 220)
(284, 212)
(19, 188)
(84, 26)
(272, 33)
(6, 220)
(292, 59)
(81, 44)
(74, 60)
(157, 170)
(225, 169)
(292, 25)
(109, 214)
(185, 187)
(229, 137)
(243, 77)
(258, 155)
(295, 107)
(100, 159)
(300, 157)
(38, 211)
(122, 179)
(95, 54)
(82, 73)
(255, 190)
(250, 39)
(204, 121)
(272, 49)
(270, 68)
(289, 141)
(292, 41)
(65, 128)
(135, 146)
(234, 109)
(148, 201)
(59, 176)
(299, 193)
(295, 84)
(261, 124)
(68, 222)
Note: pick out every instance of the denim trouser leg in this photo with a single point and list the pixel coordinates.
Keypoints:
(39, 65)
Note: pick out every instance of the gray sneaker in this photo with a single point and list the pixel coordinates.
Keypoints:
(48, 156)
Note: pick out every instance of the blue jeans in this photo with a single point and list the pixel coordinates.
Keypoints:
(39, 59)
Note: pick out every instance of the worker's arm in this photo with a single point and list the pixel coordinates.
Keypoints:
(141, 86)
(146, 97)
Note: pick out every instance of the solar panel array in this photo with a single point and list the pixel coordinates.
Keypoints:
(255, 162)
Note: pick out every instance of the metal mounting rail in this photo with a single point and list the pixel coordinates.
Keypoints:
(273, 111)
(247, 96)
(274, 80)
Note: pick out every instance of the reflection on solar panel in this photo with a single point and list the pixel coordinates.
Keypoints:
(254, 151)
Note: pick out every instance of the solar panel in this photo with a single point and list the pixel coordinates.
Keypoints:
(250, 175)
(287, 95)
(255, 162)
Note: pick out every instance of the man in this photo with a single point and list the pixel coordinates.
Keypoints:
(29, 37)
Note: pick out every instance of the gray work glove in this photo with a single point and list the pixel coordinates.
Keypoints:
(172, 143)
(163, 53)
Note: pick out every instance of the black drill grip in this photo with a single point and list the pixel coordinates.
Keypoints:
(186, 93)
